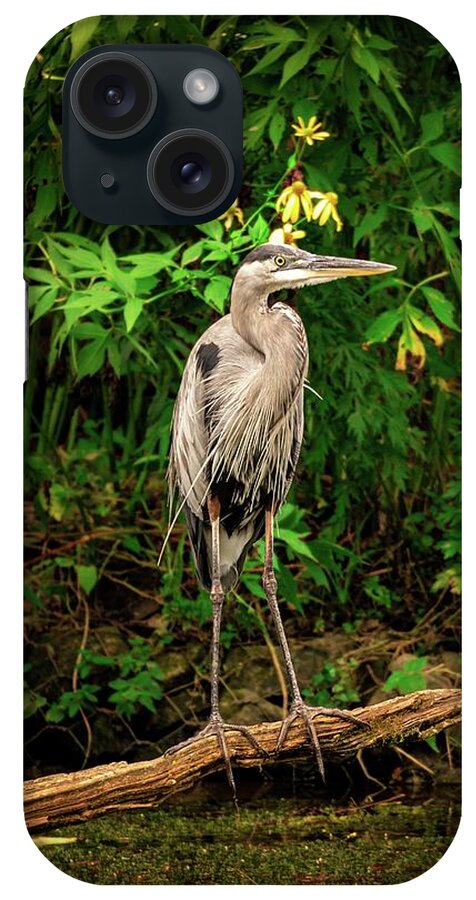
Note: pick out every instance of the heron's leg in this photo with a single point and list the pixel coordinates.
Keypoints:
(298, 708)
(216, 724)
(217, 597)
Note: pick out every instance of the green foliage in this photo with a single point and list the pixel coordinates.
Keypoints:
(138, 683)
(372, 526)
(333, 686)
(410, 677)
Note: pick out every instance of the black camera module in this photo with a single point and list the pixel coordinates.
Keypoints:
(190, 172)
(113, 95)
(152, 134)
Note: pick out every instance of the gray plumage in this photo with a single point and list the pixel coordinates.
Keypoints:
(238, 419)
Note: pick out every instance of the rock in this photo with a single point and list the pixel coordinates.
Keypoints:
(246, 707)
(176, 663)
(250, 666)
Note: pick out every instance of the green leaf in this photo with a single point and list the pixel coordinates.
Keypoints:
(82, 259)
(45, 204)
(114, 357)
(91, 356)
(450, 250)
(259, 230)
(124, 281)
(382, 102)
(367, 61)
(212, 229)
(383, 326)
(151, 263)
(81, 34)
(441, 307)
(425, 324)
(378, 43)
(58, 501)
(305, 108)
(422, 217)
(44, 276)
(124, 25)
(64, 562)
(42, 306)
(447, 208)
(87, 578)
(296, 63)
(132, 311)
(84, 330)
(277, 127)
(388, 73)
(372, 220)
(268, 59)
(95, 297)
(432, 125)
(357, 425)
(295, 543)
(192, 253)
(351, 94)
(409, 678)
(447, 154)
(217, 290)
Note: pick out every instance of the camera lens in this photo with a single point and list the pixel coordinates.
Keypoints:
(113, 95)
(190, 171)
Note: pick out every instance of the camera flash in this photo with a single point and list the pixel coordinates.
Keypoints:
(201, 86)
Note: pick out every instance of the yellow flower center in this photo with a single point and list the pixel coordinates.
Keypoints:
(298, 187)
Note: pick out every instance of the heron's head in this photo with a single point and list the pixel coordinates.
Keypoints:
(273, 267)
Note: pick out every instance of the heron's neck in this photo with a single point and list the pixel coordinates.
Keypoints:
(277, 332)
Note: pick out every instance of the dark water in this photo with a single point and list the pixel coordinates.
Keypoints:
(199, 839)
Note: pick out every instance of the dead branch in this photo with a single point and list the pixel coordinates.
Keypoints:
(78, 796)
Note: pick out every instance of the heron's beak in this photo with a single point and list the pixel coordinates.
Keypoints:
(330, 267)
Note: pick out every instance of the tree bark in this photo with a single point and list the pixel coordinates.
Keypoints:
(78, 796)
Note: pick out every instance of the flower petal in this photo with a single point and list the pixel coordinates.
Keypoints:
(277, 236)
(293, 206)
(337, 219)
(325, 214)
(306, 205)
(319, 207)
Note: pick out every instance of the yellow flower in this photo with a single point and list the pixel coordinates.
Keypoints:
(310, 132)
(327, 206)
(286, 235)
(234, 212)
(294, 197)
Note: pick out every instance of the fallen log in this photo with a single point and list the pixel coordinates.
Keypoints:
(75, 797)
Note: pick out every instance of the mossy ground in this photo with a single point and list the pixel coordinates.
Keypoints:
(271, 841)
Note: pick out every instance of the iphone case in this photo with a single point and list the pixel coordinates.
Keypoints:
(351, 151)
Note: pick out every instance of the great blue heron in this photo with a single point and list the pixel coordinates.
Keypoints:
(236, 436)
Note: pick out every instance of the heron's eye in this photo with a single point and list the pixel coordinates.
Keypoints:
(279, 261)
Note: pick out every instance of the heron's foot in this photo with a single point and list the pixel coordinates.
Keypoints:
(299, 710)
(216, 726)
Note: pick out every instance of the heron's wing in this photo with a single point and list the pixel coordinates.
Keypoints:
(216, 361)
